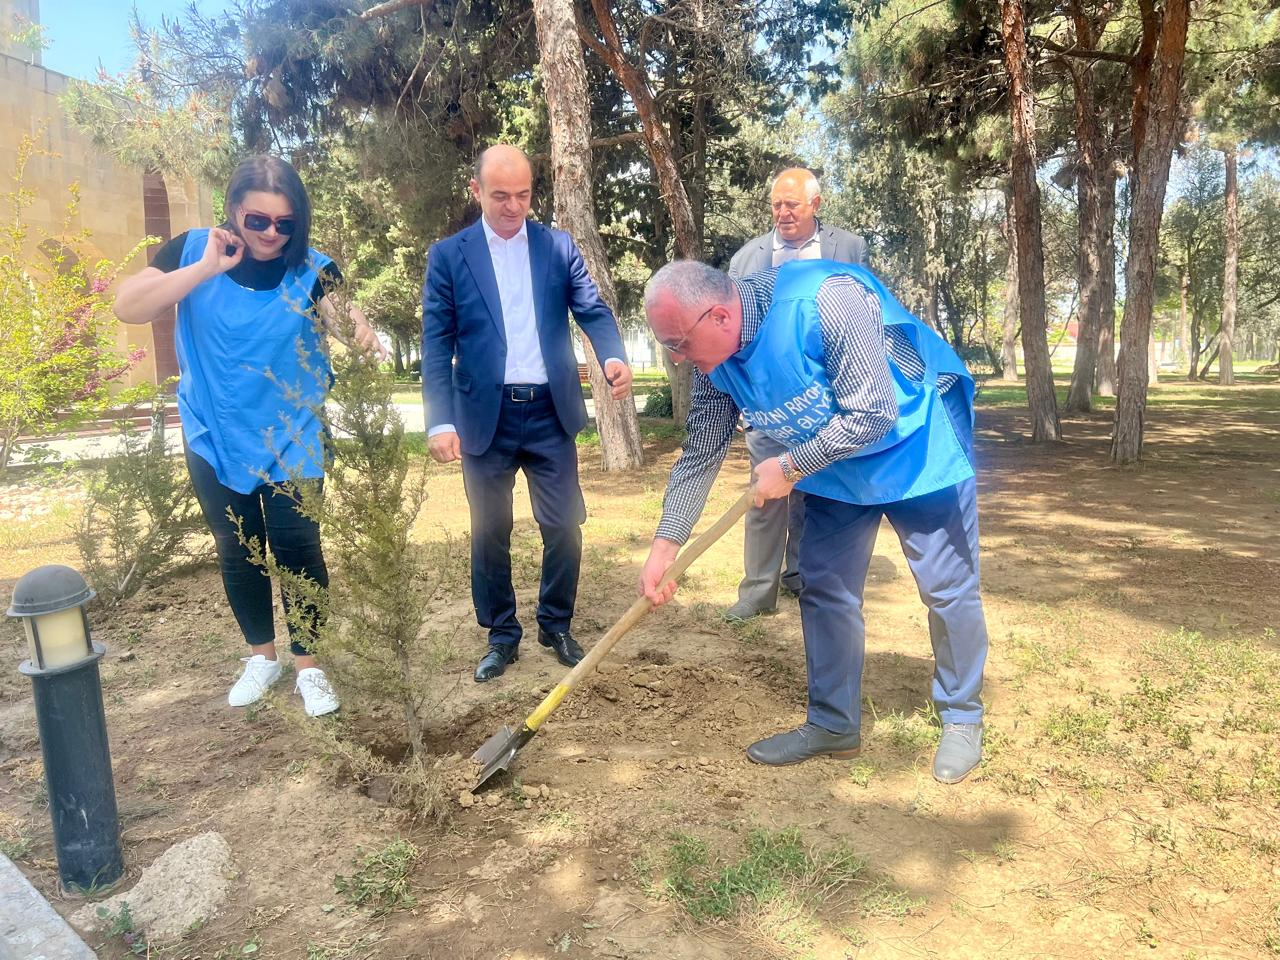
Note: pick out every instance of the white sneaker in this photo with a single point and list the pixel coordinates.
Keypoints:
(259, 674)
(318, 697)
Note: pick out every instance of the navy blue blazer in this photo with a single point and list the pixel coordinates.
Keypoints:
(464, 344)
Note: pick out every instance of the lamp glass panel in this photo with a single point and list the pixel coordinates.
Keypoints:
(62, 638)
(31, 642)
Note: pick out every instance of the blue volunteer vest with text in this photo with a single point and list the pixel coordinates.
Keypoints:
(253, 372)
(779, 381)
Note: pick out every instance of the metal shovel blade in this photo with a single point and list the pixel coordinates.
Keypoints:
(496, 754)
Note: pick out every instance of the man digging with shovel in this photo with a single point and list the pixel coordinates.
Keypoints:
(876, 413)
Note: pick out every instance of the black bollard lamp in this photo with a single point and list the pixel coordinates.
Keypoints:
(67, 691)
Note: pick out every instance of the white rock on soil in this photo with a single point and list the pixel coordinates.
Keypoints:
(186, 884)
(466, 798)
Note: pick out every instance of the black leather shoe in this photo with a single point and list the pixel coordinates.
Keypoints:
(567, 650)
(494, 663)
(804, 743)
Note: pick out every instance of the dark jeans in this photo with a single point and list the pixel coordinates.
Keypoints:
(294, 540)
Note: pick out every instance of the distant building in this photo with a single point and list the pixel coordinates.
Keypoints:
(118, 205)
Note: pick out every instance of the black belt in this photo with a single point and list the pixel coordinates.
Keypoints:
(525, 392)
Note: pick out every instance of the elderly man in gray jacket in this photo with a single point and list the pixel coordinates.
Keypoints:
(773, 531)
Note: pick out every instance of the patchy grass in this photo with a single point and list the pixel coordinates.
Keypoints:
(774, 865)
(909, 734)
(780, 893)
(381, 879)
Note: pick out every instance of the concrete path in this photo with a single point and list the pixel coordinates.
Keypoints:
(72, 449)
(30, 929)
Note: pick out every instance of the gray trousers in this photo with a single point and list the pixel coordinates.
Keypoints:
(772, 537)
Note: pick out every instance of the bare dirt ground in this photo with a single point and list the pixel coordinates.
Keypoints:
(1129, 804)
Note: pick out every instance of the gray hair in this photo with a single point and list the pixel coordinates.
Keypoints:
(811, 186)
(691, 283)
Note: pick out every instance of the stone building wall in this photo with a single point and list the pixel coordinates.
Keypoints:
(112, 204)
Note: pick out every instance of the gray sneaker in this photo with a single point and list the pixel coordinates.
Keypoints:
(743, 611)
(804, 743)
(959, 751)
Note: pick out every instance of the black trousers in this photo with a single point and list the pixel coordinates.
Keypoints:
(294, 540)
(529, 438)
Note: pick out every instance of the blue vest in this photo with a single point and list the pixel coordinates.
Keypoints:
(780, 383)
(241, 421)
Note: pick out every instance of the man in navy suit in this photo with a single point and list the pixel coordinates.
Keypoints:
(500, 384)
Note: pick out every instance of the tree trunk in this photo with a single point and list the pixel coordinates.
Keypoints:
(1089, 142)
(1230, 273)
(1215, 355)
(681, 379)
(1008, 346)
(662, 156)
(1184, 323)
(397, 356)
(1190, 339)
(1105, 378)
(564, 80)
(1157, 94)
(661, 150)
(1026, 204)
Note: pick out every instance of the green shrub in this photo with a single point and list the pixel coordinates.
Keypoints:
(658, 403)
(58, 357)
(141, 520)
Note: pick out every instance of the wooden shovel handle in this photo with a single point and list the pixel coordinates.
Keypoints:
(637, 610)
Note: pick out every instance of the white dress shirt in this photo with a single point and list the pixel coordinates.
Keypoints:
(515, 291)
(810, 249)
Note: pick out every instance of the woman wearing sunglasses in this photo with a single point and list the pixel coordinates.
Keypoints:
(247, 294)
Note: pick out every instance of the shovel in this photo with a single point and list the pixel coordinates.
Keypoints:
(496, 754)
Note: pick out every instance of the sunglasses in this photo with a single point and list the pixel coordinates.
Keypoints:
(678, 346)
(258, 223)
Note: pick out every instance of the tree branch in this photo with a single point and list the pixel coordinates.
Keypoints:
(1083, 54)
(393, 6)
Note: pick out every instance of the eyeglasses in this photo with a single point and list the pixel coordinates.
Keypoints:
(258, 223)
(678, 346)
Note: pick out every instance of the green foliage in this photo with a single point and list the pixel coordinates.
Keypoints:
(888, 901)
(658, 403)
(16, 846)
(122, 926)
(1083, 730)
(1192, 244)
(910, 734)
(935, 237)
(372, 223)
(141, 520)
(370, 625)
(154, 125)
(381, 879)
(28, 34)
(57, 350)
(862, 772)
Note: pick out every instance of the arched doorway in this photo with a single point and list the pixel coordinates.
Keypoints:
(155, 211)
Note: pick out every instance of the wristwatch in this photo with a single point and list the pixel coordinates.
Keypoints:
(790, 472)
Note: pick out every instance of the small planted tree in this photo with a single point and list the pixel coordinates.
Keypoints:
(141, 519)
(58, 359)
(371, 635)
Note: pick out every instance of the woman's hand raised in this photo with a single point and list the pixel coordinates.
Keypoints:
(216, 260)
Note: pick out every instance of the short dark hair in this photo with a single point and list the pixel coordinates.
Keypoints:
(273, 175)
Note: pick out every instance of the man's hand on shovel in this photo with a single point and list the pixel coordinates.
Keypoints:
(651, 586)
(657, 586)
(769, 483)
